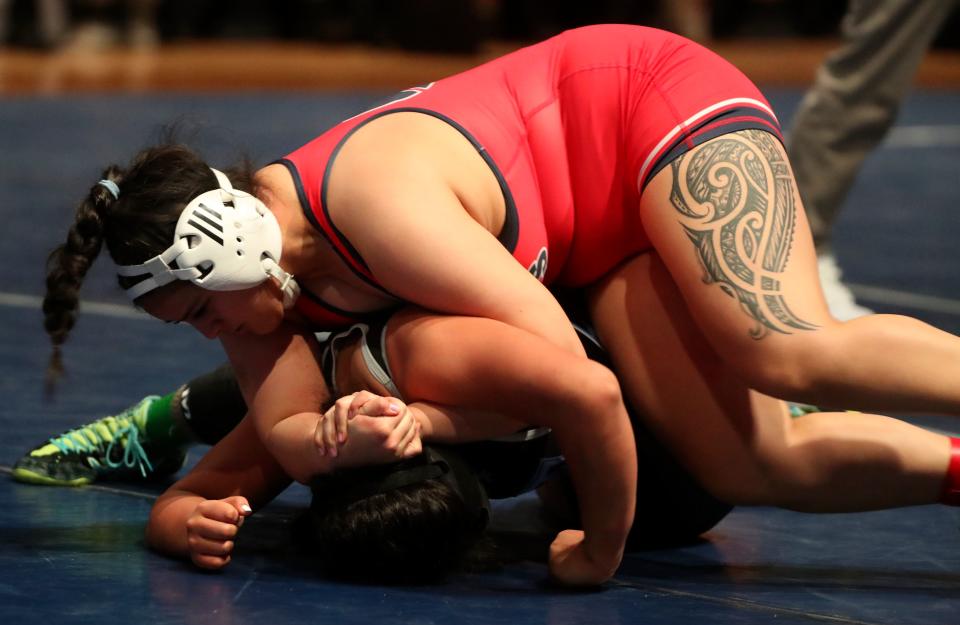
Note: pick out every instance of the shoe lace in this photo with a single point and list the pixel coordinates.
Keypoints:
(103, 435)
(134, 455)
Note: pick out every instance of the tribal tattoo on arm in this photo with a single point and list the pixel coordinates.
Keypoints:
(736, 199)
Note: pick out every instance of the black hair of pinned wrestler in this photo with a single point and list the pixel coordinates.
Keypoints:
(413, 521)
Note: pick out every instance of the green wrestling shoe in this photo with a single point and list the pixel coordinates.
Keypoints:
(111, 448)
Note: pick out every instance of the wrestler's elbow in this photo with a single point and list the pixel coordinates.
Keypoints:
(594, 393)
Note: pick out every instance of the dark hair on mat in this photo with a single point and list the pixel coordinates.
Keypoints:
(136, 226)
(416, 533)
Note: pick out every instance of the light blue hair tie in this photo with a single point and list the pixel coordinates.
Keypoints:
(112, 187)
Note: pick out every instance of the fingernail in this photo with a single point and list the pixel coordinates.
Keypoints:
(333, 452)
(246, 508)
(341, 437)
(393, 408)
(322, 451)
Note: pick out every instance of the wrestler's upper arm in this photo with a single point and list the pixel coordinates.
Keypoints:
(278, 374)
(423, 246)
(488, 367)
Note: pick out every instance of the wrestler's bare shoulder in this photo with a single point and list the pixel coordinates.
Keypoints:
(410, 155)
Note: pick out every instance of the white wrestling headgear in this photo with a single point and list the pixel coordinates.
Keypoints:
(225, 240)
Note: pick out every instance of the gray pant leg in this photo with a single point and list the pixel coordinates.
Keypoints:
(52, 18)
(855, 99)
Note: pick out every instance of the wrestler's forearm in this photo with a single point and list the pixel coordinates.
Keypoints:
(596, 437)
(456, 424)
(601, 456)
(292, 443)
(237, 465)
(295, 442)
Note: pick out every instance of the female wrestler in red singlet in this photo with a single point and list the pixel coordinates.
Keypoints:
(623, 160)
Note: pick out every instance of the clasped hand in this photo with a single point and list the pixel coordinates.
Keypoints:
(378, 429)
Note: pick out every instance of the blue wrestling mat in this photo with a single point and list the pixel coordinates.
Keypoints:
(77, 555)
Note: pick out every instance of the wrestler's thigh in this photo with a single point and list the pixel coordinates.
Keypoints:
(728, 223)
(720, 430)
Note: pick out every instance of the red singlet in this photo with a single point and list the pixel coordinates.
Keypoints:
(573, 128)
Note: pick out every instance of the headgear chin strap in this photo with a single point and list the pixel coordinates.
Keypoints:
(225, 240)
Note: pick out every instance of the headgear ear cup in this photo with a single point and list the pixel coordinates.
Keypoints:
(225, 240)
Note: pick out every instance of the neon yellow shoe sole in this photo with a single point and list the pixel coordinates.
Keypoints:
(22, 474)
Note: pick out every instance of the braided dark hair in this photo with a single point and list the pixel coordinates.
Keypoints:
(136, 226)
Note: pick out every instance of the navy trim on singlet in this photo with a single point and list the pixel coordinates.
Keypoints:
(681, 146)
(308, 212)
(509, 234)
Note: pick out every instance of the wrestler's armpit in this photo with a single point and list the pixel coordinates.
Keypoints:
(735, 196)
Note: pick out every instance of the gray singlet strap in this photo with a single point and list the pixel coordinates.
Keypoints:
(380, 372)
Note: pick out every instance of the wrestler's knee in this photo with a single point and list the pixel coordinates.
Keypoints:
(771, 475)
